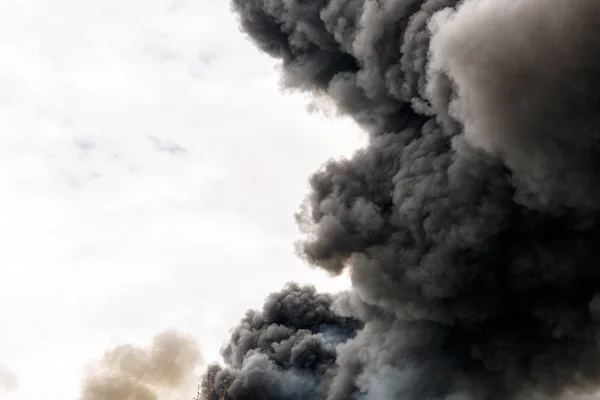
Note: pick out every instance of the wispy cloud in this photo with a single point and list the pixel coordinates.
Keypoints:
(167, 146)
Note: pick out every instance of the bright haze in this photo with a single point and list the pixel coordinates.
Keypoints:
(150, 168)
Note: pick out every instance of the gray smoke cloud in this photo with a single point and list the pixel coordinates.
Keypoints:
(133, 373)
(469, 224)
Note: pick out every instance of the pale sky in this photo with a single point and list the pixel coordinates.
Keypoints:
(150, 169)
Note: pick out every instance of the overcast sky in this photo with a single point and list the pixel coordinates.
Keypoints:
(150, 169)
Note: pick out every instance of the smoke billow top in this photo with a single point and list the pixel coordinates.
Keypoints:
(470, 223)
(133, 373)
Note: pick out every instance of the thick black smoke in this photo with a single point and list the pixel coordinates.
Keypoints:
(286, 351)
(469, 224)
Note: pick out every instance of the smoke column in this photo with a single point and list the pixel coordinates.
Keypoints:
(469, 224)
(132, 373)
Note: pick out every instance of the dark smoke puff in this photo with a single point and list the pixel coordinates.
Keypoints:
(527, 75)
(407, 217)
(294, 32)
(347, 50)
(285, 351)
(294, 308)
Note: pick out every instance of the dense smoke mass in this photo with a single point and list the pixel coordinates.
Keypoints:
(128, 372)
(470, 222)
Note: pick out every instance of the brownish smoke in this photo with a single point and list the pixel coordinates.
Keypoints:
(132, 373)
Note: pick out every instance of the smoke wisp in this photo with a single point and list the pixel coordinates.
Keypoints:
(469, 224)
(132, 373)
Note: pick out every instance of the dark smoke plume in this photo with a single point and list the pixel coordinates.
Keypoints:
(470, 222)
(132, 373)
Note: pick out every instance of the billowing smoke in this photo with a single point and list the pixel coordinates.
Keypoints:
(285, 351)
(133, 373)
(470, 222)
(527, 79)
